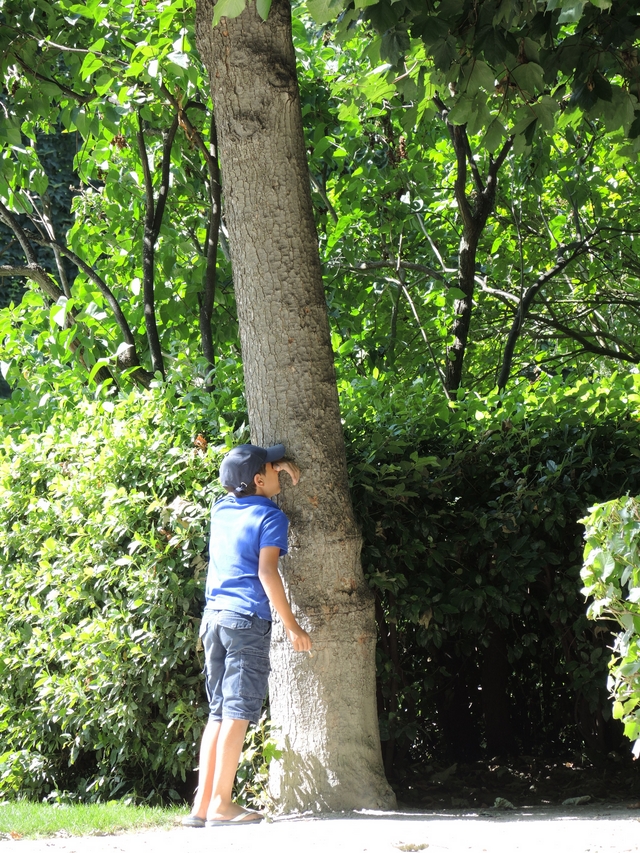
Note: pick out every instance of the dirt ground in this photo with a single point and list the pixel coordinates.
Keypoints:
(485, 807)
(577, 829)
(523, 781)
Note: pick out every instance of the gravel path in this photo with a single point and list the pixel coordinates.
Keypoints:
(585, 829)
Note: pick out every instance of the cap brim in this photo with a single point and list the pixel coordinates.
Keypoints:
(274, 453)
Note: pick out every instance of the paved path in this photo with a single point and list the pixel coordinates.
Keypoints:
(582, 829)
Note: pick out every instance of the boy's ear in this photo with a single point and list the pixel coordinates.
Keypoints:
(257, 479)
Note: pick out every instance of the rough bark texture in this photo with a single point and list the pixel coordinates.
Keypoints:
(324, 705)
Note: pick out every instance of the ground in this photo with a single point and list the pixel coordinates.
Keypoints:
(523, 781)
(578, 829)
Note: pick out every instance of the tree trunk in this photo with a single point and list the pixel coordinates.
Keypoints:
(463, 308)
(324, 706)
(495, 696)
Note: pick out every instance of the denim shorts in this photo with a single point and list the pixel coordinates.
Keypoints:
(236, 668)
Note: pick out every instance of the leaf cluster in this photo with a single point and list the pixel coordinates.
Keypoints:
(470, 516)
(103, 552)
(611, 575)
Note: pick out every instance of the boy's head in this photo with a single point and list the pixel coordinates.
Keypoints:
(241, 464)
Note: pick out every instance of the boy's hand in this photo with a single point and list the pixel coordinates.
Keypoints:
(290, 467)
(299, 639)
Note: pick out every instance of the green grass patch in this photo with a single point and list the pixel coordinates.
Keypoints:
(23, 819)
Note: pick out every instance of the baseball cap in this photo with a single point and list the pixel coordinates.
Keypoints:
(243, 462)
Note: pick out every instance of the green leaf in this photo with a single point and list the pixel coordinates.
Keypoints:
(545, 111)
(571, 11)
(529, 78)
(460, 112)
(492, 140)
(263, 7)
(445, 53)
(10, 131)
(91, 64)
(228, 9)
(481, 76)
(323, 11)
(601, 86)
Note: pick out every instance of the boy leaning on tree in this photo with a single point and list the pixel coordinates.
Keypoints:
(248, 535)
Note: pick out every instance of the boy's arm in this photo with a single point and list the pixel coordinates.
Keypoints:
(273, 587)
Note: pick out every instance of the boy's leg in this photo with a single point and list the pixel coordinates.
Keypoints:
(206, 769)
(228, 748)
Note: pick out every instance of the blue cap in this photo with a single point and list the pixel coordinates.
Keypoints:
(242, 463)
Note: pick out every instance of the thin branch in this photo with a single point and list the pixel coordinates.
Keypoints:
(460, 187)
(163, 192)
(83, 50)
(9, 219)
(477, 177)
(427, 342)
(502, 156)
(148, 184)
(38, 274)
(148, 258)
(323, 195)
(584, 341)
(525, 304)
(367, 266)
(82, 99)
(100, 283)
(207, 297)
(500, 294)
(434, 248)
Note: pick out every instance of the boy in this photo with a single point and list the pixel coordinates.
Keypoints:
(248, 534)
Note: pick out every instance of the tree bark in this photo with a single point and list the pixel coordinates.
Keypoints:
(495, 696)
(323, 706)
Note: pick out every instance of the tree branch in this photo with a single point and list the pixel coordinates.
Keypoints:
(148, 258)
(525, 304)
(207, 297)
(427, 342)
(323, 195)
(9, 219)
(584, 341)
(367, 266)
(82, 99)
(163, 192)
(477, 177)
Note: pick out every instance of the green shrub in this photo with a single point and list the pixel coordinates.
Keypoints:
(103, 526)
(611, 575)
(472, 545)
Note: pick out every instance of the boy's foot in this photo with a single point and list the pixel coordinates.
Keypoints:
(193, 821)
(246, 816)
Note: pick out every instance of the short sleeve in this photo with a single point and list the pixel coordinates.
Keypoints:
(273, 531)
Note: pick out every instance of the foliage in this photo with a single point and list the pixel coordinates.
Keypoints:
(136, 112)
(259, 750)
(384, 174)
(104, 526)
(472, 547)
(56, 152)
(611, 575)
(102, 577)
(555, 274)
(508, 69)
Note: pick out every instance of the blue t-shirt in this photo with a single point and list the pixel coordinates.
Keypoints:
(240, 527)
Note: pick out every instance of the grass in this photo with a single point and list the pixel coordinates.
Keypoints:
(23, 819)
